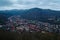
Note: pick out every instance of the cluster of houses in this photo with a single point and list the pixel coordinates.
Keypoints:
(18, 24)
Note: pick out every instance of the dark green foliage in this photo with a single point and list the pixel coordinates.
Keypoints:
(3, 18)
(5, 35)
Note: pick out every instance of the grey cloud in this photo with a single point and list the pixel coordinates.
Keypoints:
(5, 3)
(50, 4)
(28, 2)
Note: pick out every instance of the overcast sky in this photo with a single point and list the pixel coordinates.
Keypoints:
(27, 4)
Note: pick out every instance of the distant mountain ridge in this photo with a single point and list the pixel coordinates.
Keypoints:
(33, 13)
